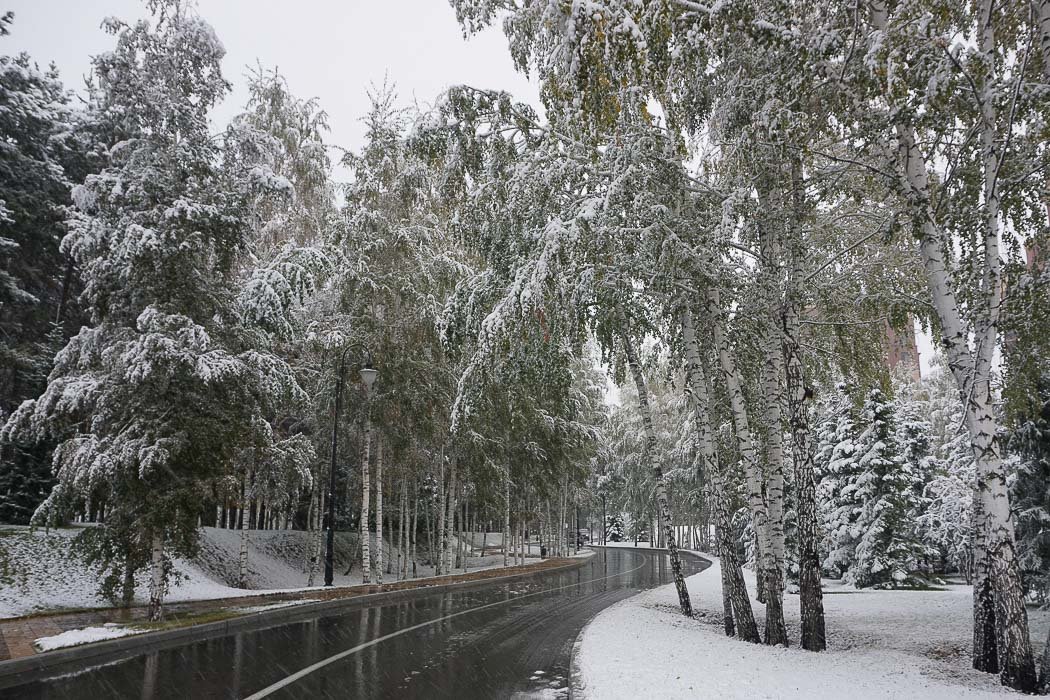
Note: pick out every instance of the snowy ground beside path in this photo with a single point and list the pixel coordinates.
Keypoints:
(883, 644)
(40, 570)
(85, 635)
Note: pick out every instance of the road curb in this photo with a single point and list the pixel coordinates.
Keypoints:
(28, 668)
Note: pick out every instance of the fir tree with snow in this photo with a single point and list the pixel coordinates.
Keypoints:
(887, 550)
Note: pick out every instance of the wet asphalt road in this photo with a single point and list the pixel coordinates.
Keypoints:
(505, 640)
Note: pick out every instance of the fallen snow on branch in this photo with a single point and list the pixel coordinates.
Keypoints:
(882, 644)
(71, 638)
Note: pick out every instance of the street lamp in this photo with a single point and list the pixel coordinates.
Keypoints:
(368, 376)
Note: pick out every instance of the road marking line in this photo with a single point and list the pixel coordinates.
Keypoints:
(288, 680)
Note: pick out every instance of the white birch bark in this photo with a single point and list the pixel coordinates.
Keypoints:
(658, 477)
(156, 578)
(447, 535)
(440, 559)
(811, 600)
(402, 543)
(741, 617)
(366, 506)
(971, 369)
(315, 535)
(379, 509)
(506, 517)
(242, 577)
(776, 631)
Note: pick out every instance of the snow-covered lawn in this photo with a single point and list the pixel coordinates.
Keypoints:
(882, 644)
(71, 638)
(41, 571)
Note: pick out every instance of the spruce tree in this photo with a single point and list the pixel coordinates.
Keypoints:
(887, 548)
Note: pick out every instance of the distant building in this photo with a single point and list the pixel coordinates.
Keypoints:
(901, 348)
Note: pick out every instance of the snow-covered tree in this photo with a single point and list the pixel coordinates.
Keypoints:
(151, 400)
(887, 547)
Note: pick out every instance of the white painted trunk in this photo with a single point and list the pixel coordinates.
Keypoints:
(658, 477)
(366, 506)
(156, 578)
(742, 619)
(768, 572)
(971, 369)
(440, 558)
(379, 509)
(315, 535)
(506, 518)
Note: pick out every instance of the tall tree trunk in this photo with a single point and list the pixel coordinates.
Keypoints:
(156, 578)
(379, 509)
(811, 597)
(972, 372)
(366, 506)
(440, 563)
(314, 523)
(771, 375)
(506, 517)
(658, 476)
(242, 577)
(464, 529)
(450, 521)
(563, 545)
(128, 587)
(414, 530)
(776, 630)
(402, 545)
(732, 574)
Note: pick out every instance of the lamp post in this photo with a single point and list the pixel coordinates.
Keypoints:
(368, 376)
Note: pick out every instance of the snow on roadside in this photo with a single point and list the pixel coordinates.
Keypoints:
(41, 571)
(84, 635)
(883, 644)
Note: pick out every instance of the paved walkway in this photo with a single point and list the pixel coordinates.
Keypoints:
(17, 634)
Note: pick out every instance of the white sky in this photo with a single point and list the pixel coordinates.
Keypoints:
(328, 49)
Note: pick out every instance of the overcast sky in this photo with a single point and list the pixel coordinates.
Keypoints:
(328, 49)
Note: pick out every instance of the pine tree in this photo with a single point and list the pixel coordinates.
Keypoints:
(45, 144)
(1030, 441)
(150, 402)
(841, 502)
(887, 547)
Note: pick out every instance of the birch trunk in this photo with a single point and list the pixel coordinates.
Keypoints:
(741, 617)
(658, 477)
(402, 544)
(156, 578)
(379, 509)
(811, 597)
(506, 518)
(998, 576)
(242, 576)
(463, 529)
(776, 631)
(413, 532)
(366, 509)
(450, 522)
(315, 535)
(440, 561)
(563, 536)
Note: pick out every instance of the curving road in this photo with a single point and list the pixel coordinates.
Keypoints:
(505, 640)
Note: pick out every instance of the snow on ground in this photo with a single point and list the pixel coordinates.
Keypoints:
(40, 570)
(883, 644)
(84, 635)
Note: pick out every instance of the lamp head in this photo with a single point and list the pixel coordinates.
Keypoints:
(368, 375)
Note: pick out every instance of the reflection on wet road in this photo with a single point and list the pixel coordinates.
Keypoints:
(506, 640)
